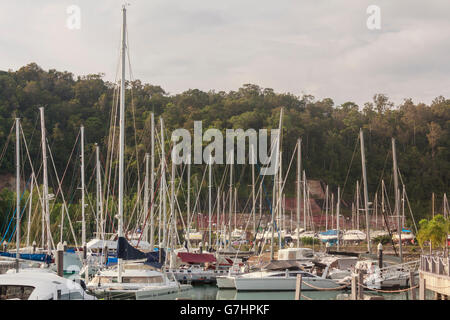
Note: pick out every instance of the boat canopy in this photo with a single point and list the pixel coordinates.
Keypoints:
(191, 258)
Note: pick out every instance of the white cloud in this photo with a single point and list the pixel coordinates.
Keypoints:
(318, 47)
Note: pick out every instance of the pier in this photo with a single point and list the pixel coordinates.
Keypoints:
(434, 275)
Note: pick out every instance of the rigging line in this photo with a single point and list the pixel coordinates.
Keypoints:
(407, 200)
(62, 196)
(351, 162)
(5, 147)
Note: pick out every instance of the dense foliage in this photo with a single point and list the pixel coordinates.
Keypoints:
(329, 132)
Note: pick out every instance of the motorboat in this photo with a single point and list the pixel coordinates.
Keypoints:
(39, 284)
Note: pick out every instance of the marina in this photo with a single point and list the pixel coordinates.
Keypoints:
(131, 206)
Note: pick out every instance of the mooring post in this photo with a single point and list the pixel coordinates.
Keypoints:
(60, 259)
(360, 286)
(298, 287)
(105, 255)
(380, 255)
(412, 285)
(422, 288)
(354, 287)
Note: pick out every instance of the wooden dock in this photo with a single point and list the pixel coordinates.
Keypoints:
(435, 276)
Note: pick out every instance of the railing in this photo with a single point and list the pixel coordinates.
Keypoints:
(435, 264)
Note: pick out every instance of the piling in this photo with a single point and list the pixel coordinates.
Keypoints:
(60, 259)
(380, 255)
(354, 287)
(422, 288)
(298, 287)
(360, 286)
(412, 284)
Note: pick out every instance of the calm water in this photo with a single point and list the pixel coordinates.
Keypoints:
(211, 292)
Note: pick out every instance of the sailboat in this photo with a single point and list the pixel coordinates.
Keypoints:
(136, 274)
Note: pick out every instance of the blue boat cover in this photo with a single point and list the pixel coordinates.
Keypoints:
(43, 257)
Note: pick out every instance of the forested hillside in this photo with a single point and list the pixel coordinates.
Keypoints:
(329, 132)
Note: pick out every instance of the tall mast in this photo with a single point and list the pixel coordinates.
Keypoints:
(326, 208)
(357, 204)
(278, 146)
(218, 219)
(366, 196)
(99, 194)
(174, 216)
(332, 210)
(304, 199)
(188, 202)
(17, 193)
(253, 191)
(146, 194)
(376, 211)
(338, 207)
(45, 191)
(163, 182)
(30, 209)
(231, 194)
(280, 197)
(83, 207)
(397, 196)
(403, 205)
(152, 181)
(299, 178)
(209, 199)
(122, 135)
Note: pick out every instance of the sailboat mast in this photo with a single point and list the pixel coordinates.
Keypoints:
(163, 183)
(397, 200)
(45, 204)
(366, 196)
(146, 194)
(122, 136)
(83, 207)
(17, 193)
(188, 202)
(338, 207)
(209, 199)
(99, 194)
(152, 181)
(326, 208)
(253, 190)
(30, 209)
(304, 200)
(299, 172)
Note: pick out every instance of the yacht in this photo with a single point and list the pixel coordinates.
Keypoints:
(139, 282)
(354, 236)
(39, 284)
(407, 236)
(276, 280)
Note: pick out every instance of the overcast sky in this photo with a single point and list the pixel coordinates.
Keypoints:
(320, 47)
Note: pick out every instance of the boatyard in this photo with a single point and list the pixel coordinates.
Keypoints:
(118, 190)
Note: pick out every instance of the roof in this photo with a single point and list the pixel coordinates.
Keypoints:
(188, 257)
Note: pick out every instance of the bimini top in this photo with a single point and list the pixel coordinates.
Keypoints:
(191, 258)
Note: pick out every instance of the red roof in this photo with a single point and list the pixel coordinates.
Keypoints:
(188, 257)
